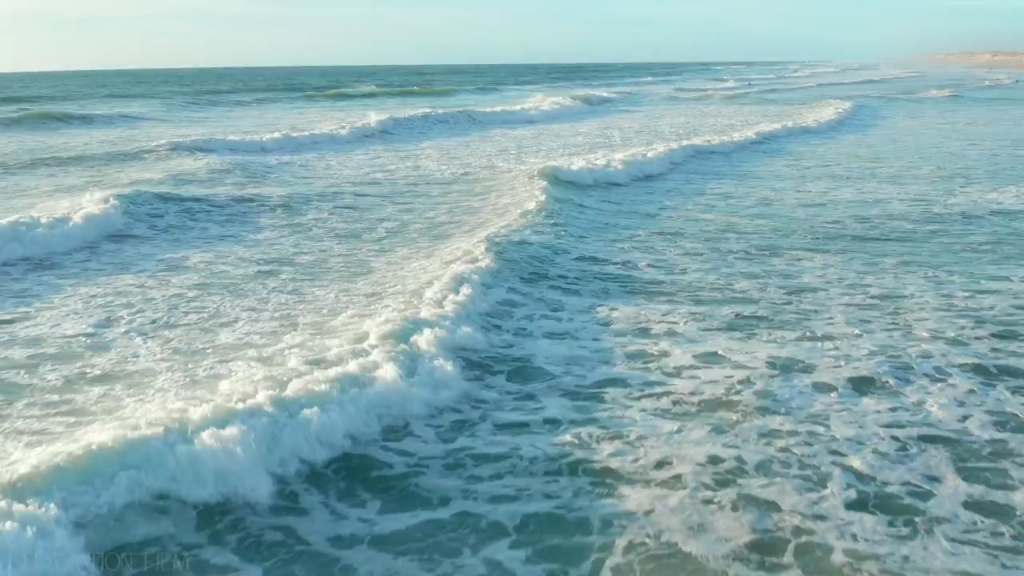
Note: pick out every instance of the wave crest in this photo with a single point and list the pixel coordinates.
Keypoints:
(34, 236)
(375, 92)
(593, 98)
(234, 448)
(43, 118)
(720, 91)
(623, 168)
(535, 110)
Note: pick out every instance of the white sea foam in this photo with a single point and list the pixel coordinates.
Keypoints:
(232, 451)
(536, 110)
(947, 93)
(233, 448)
(33, 236)
(626, 167)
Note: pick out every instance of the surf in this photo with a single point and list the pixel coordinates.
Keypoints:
(39, 235)
(235, 447)
(625, 167)
(724, 91)
(375, 92)
(533, 111)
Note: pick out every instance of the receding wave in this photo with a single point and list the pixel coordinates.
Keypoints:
(34, 236)
(43, 118)
(375, 92)
(535, 110)
(620, 169)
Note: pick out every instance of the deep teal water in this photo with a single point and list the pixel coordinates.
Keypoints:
(592, 319)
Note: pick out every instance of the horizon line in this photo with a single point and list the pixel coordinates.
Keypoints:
(421, 65)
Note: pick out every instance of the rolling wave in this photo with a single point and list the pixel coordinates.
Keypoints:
(812, 72)
(755, 89)
(234, 449)
(535, 110)
(623, 168)
(136, 213)
(43, 118)
(34, 236)
(593, 98)
(375, 92)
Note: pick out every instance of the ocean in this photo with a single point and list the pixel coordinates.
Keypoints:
(650, 319)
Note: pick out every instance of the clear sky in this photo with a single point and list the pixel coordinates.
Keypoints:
(72, 34)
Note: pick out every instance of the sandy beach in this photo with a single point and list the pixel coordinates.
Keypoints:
(1005, 60)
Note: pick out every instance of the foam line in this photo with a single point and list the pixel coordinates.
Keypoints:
(533, 111)
(625, 167)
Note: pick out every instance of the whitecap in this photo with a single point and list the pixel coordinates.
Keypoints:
(625, 167)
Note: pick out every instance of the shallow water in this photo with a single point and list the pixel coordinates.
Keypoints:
(632, 319)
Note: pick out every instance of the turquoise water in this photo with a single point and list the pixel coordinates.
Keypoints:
(600, 319)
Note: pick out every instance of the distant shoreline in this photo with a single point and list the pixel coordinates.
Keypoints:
(994, 60)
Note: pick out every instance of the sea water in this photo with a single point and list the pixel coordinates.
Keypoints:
(588, 319)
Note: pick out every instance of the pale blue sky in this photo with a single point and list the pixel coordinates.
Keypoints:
(71, 34)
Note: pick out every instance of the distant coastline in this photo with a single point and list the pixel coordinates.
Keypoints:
(1004, 60)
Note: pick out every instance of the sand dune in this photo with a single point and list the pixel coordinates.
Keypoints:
(1013, 60)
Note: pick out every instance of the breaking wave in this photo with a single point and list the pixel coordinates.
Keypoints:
(620, 169)
(34, 236)
(375, 92)
(721, 91)
(535, 110)
(234, 448)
